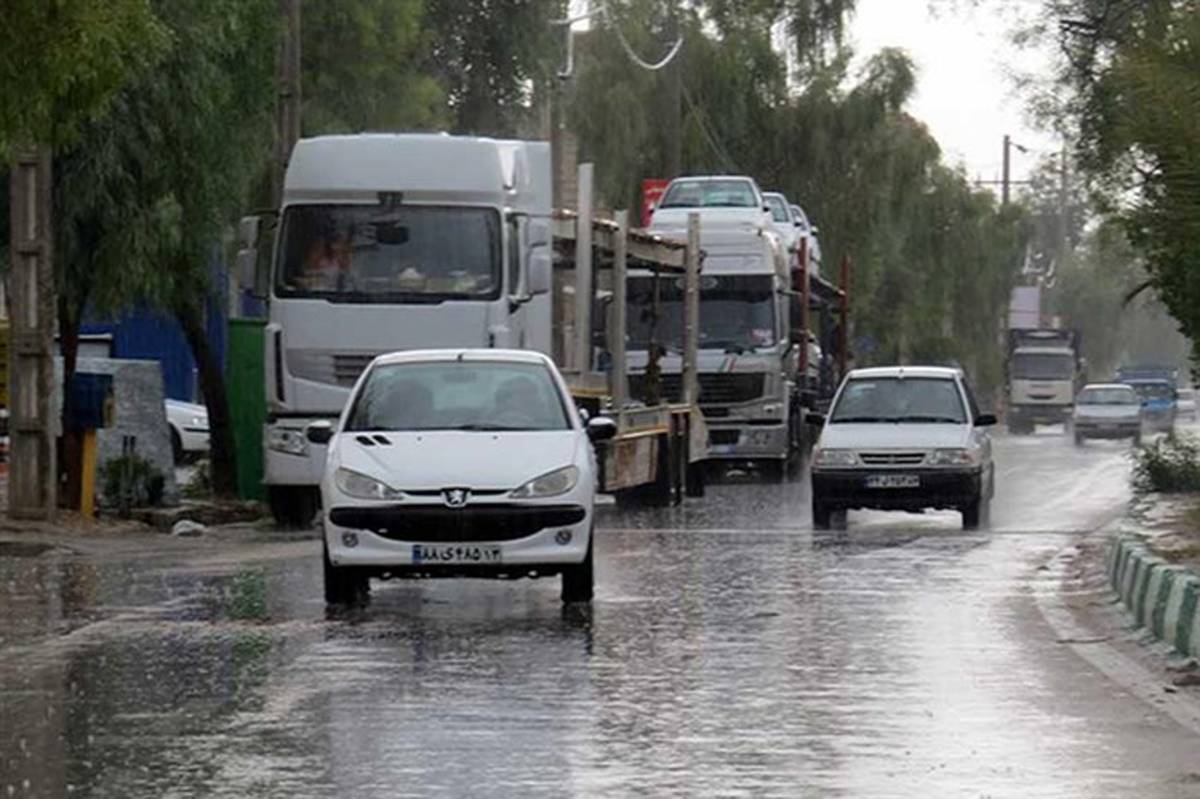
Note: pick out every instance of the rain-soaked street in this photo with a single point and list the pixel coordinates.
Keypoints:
(730, 651)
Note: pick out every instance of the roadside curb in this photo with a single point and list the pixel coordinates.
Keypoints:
(1162, 597)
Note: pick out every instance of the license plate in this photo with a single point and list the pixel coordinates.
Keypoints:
(455, 554)
(721, 449)
(893, 481)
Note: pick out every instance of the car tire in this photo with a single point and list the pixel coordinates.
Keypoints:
(972, 513)
(177, 447)
(579, 581)
(344, 585)
(1137, 439)
(1078, 439)
(822, 515)
(293, 507)
(696, 479)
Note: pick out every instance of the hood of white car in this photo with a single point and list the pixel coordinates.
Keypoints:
(434, 460)
(1107, 411)
(894, 436)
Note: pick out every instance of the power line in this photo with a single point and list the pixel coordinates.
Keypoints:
(629, 51)
(713, 142)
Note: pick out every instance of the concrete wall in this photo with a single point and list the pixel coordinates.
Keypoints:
(139, 412)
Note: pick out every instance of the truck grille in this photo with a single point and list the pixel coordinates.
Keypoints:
(715, 389)
(892, 458)
(348, 366)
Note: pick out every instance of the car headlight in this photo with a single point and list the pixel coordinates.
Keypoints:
(359, 486)
(551, 484)
(200, 422)
(835, 457)
(954, 457)
(282, 439)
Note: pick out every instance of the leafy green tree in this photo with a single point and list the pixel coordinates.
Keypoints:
(361, 67)
(488, 56)
(147, 191)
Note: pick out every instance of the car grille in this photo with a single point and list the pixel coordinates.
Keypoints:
(723, 437)
(892, 458)
(714, 388)
(434, 524)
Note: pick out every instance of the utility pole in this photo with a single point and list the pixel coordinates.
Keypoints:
(673, 126)
(1063, 208)
(33, 479)
(287, 121)
(1004, 176)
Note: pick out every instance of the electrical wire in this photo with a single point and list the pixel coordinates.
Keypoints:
(629, 51)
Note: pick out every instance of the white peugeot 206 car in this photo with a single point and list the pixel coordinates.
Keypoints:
(459, 463)
(903, 438)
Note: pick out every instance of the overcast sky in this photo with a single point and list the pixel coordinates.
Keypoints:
(963, 58)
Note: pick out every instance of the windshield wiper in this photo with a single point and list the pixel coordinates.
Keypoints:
(486, 428)
(930, 419)
(859, 419)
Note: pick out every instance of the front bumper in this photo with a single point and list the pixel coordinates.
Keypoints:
(735, 440)
(530, 536)
(1041, 414)
(938, 489)
(194, 439)
(1090, 429)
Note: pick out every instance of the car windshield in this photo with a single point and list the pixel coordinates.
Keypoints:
(1107, 396)
(709, 194)
(458, 395)
(900, 399)
(737, 312)
(373, 253)
(1043, 366)
(779, 209)
(1153, 391)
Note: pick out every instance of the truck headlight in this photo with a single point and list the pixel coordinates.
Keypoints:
(835, 458)
(360, 486)
(551, 484)
(954, 457)
(288, 440)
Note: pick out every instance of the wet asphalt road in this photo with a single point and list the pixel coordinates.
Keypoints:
(730, 651)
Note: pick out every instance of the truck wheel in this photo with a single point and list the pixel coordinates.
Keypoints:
(293, 507)
(1078, 439)
(822, 515)
(344, 585)
(697, 479)
(578, 582)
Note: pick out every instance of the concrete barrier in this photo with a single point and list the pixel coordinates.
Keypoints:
(1161, 597)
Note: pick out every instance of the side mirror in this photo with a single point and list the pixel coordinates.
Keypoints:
(248, 229)
(985, 420)
(814, 419)
(601, 429)
(540, 271)
(319, 432)
(766, 207)
(247, 268)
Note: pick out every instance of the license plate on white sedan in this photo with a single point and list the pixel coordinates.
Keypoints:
(893, 481)
(455, 554)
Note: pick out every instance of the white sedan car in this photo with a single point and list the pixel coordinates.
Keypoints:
(188, 423)
(903, 438)
(459, 463)
(1107, 410)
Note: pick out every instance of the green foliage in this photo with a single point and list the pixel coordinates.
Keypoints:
(360, 67)
(488, 56)
(131, 481)
(1133, 68)
(60, 62)
(199, 485)
(1169, 464)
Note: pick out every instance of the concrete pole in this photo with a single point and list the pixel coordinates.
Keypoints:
(583, 273)
(691, 314)
(616, 336)
(1004, 176)
(33, 476)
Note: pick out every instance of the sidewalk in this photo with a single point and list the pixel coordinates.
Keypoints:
(1154, 566)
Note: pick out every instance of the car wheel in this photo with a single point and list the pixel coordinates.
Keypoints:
(344, 585)
(578, 582)
(697, 479)
(293, 507)
(176, 446)
(1078, 439)
(1137, 439)
(822, 515)
(972, 513)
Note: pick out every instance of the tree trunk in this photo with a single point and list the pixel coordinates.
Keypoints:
(223, 457)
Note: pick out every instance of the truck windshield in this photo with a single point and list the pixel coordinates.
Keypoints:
(453, 395)
(737, 313)
(371, 253)
(1043, 366)
(709, 194)
(930, 400)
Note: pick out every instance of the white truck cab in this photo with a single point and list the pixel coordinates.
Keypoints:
(392, 242)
